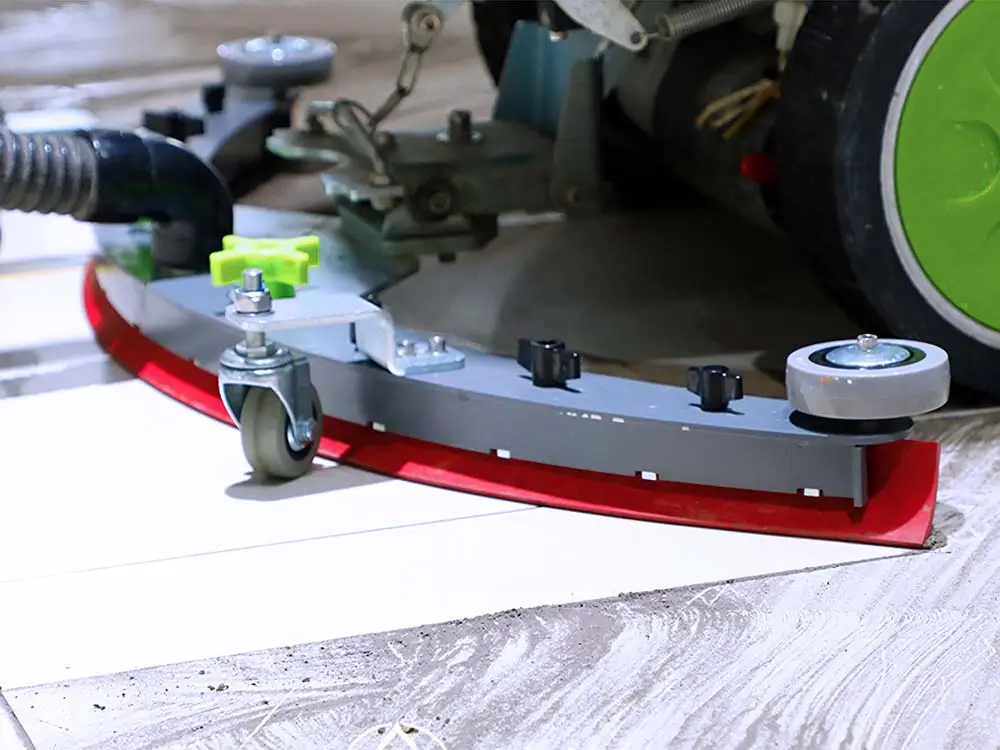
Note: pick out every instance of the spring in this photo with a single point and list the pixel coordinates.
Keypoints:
(46, 173)
(690, 18)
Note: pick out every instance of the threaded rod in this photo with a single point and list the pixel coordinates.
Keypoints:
(46, 173)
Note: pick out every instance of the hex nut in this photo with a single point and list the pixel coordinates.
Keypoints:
(252, 302)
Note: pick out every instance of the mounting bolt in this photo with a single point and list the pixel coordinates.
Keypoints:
(867, 341)
(308, 429)
(439, 203)
(437, 345)
(253, 280)
(460, 126)
(549, 363)
(459, 130)
(384, 140)
(407, 348)
(715, 385)
(253, 297)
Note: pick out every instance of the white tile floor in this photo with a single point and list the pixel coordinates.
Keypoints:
(130, 535)
(32, 237)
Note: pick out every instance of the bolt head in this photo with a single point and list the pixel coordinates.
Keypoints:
(439, 203)
(384, 139)
(252, 303)
(308, 429)
(437, 344)
(867, 341)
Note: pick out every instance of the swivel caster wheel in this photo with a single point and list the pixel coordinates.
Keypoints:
(268, 443)
(866, 385)
(277, 62)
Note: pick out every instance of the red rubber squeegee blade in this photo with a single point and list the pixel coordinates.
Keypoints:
(902, 476)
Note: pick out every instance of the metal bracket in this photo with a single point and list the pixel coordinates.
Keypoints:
(373, 329)
(440, 195)
(609, 19)
(287, 373)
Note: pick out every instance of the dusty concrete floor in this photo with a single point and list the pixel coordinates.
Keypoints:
(900, 653)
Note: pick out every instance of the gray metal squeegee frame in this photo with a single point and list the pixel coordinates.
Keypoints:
(600, 423)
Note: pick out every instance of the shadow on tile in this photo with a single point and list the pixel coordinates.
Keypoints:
(316, 482)
(57, 367)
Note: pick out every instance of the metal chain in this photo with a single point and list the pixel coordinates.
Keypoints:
(422, 24)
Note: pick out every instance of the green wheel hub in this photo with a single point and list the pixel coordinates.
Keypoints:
(947, 163)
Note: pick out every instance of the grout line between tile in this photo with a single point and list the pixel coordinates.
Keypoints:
(195, 555)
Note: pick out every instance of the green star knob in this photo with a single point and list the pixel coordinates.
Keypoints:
(284, 263)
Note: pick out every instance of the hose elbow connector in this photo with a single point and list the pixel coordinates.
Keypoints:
(161, 180)
(120, 177)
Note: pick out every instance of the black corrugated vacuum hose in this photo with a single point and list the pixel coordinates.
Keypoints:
(117, 177)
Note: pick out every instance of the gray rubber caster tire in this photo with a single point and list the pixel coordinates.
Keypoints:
(820, 389)
(278, 63)
(264, 427)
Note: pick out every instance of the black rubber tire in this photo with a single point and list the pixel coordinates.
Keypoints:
(805, 141)
(836, 92)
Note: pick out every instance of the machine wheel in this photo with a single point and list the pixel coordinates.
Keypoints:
(266, 433)
(867, 379)
(887, 139)
(277, 62)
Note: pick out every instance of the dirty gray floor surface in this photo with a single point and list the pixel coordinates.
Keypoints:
(898, 653)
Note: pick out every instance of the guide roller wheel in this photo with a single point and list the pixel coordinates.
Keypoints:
(867, 379)
(277, 62)
(266, 431)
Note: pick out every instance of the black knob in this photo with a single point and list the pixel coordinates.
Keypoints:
(715, 385)
(549, 363)
(173, 123)
(213, 97)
